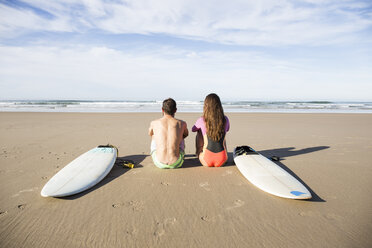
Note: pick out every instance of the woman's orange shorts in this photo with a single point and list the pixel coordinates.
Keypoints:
(215, 159)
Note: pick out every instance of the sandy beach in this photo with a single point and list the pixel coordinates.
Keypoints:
(192, 206)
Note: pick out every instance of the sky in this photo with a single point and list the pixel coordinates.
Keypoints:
(269, 50)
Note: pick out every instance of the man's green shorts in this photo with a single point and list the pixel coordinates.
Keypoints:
(175, 165)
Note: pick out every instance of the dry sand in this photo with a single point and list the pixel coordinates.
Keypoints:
(192, 206)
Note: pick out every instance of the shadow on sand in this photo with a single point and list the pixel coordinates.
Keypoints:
(116, 171)
(191, 160)
(291, 151)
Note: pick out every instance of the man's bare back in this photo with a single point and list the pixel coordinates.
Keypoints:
(168, 133)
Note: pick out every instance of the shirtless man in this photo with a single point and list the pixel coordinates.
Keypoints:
(167, 138)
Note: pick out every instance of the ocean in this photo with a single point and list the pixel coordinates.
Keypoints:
(183, 106)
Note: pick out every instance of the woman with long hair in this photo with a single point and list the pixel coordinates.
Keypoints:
(211, 130)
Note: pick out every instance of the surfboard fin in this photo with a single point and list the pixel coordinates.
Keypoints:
(275, 158)
(244, 150)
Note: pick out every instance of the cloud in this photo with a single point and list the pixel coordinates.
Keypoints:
(242, 22)
(86, 72)
(16, 21)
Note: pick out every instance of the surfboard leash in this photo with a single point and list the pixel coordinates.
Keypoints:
(122, 163)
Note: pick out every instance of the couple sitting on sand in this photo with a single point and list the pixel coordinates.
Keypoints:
(168, 134)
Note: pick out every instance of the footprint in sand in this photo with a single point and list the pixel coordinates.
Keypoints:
(332, 216)
(24, 191)
(228, 172)
(212, 219)
(21, 206)
(329, 216)
(131, 231)
(165, 183)
(307, 214)
(117, 205)
(237, 204)
(207, 218)
(161, 227)
(133, 205)
(205, 185)
(2, 213)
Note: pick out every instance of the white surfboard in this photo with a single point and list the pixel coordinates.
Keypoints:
(268, 176)
(82, 173)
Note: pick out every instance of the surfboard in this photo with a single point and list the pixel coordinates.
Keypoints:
(268, 176)
(82, 173)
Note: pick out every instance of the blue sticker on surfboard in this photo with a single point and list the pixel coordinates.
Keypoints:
(297, 193)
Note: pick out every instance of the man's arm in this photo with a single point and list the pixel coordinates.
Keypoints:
(185, 131)
(151, 130)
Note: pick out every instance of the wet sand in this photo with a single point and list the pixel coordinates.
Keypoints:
(192, 206)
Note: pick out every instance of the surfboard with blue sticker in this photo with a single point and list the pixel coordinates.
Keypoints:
(268, 176)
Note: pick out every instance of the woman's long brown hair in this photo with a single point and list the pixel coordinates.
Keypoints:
(214, 117)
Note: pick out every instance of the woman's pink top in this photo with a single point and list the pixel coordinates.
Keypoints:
(200, 124)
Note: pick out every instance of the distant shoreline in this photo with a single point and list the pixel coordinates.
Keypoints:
(117, 106)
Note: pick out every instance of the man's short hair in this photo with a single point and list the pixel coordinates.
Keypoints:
(169, 106)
